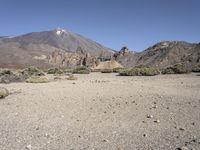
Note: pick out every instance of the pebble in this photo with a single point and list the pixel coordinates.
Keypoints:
(154, 106)
(149, 116)
(181, 129)
(47, 135)
(184, 148)
(29, 147)
(157, 121)
(145, 135)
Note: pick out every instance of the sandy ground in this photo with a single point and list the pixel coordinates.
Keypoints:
(103, 112)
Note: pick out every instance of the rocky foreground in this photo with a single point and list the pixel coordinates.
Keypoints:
(103, 111)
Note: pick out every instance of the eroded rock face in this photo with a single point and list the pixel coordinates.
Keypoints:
(71, 59)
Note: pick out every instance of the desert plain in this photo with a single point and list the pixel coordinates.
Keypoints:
(103, 112)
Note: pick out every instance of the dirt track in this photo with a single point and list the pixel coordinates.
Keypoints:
(103, 111)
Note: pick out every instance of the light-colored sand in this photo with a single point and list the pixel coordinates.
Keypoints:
(102, 112)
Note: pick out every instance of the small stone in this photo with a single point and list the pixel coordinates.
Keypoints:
(3, 92)
(144, 135)
(29, 147)
(149, 116)
(154, 106)
(181, 129)
(157, 121)
(184, 148)
(194, 140)
(37, 128)
(47, 135)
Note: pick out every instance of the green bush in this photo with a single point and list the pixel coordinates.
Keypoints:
(54, 71)
(81, 70)
(176, 69)
(107, 71)
(196, 68)
(37, 79)
(139, 72)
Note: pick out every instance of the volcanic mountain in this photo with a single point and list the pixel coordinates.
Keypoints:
(33, 49)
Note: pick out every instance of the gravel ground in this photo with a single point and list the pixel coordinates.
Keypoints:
(103, 112)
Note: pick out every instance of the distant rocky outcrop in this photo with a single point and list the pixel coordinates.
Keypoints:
(164, 54)
(123, 52)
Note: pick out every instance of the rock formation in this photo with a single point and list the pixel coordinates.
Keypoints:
(123, 52)
(70, 59)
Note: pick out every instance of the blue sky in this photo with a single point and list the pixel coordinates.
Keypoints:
(136, 24)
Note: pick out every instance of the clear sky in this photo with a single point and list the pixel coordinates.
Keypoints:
(136, 24)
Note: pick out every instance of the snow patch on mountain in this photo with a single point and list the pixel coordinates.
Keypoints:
(59, 31)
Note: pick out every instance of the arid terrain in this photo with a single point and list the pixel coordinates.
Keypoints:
(103, 112)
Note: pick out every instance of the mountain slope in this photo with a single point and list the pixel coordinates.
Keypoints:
(164, 54)
(21, 51)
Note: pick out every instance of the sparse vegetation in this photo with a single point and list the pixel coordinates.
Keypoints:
(32, 71)
(81, 70)
(96, 70)
(107, 71)
(68, 70)
(8, 76)
(3, 92)
(196, 68)
(5, 71)
(142, 71)
(37, 79)
(71, 77)
(55, 71)
(176, 69)
(118, 70)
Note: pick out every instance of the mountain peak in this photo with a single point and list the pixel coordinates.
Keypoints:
(59, 31)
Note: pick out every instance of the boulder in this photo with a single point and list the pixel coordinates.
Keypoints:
(3, 92)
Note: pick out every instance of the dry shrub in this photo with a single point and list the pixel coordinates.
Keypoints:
(81, 70)
(176, 69)
(142, 71)
(107, 71)
(37, 79)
